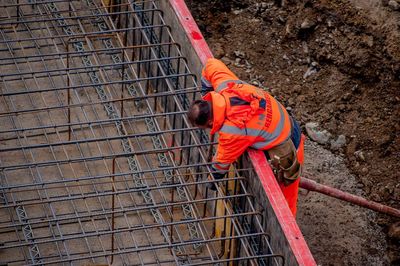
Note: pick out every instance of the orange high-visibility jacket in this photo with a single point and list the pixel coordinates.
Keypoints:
(244, 115)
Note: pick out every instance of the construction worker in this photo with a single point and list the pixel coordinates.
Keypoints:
(248, 117)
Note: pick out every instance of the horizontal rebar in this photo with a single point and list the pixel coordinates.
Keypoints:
(208, 261)
(42, 2)
(82, 35)
(128, 98)
(130, 209)
(70, 70)
(91, 85)
(96, 122)
(18, 4)
(135, 209)
(120, 192)
(74, 54)
(94, 158)
(89, 140)
(65, 181)
(160, 246)
(41, 20)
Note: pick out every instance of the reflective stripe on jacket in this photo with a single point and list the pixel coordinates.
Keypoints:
(244, 116)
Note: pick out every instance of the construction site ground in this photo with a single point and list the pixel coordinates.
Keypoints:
(335, 63)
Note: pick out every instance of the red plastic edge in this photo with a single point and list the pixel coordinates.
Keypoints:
(192, 30)
(288, 223)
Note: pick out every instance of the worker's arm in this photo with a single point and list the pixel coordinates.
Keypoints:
(228, 150)
(214, 74)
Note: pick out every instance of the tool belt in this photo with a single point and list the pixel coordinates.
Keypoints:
(284, 162)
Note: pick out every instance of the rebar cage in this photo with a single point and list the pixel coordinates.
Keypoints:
(99, 164)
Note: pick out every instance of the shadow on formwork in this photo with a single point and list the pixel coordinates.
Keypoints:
(98, 163)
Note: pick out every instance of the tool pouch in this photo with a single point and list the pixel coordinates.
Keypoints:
(284, 161)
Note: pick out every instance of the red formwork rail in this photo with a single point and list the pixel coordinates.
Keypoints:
(288, 223)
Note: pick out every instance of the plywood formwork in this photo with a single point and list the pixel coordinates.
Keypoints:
(98, 162)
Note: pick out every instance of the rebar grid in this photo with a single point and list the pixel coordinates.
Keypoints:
(98, 162)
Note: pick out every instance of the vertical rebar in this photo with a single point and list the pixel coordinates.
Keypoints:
(113, 210)
(122, 85)
(68, 95)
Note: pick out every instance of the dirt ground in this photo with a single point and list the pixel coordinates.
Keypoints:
(335, 63)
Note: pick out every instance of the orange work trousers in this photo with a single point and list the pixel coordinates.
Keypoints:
(291, 192)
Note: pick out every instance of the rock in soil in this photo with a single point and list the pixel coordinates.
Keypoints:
(339, 143)
(394, 231)
(394, 5)
(316, 134)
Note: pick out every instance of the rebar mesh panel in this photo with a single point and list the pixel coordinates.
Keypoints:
(98, 162)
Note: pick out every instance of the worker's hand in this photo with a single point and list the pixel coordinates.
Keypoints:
(205, 86)
(213, 185)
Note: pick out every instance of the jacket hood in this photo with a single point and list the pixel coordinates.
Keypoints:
(218, 108)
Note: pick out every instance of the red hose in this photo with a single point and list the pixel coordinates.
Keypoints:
(311, 185)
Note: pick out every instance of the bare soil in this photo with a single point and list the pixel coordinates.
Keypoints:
(337, 63)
